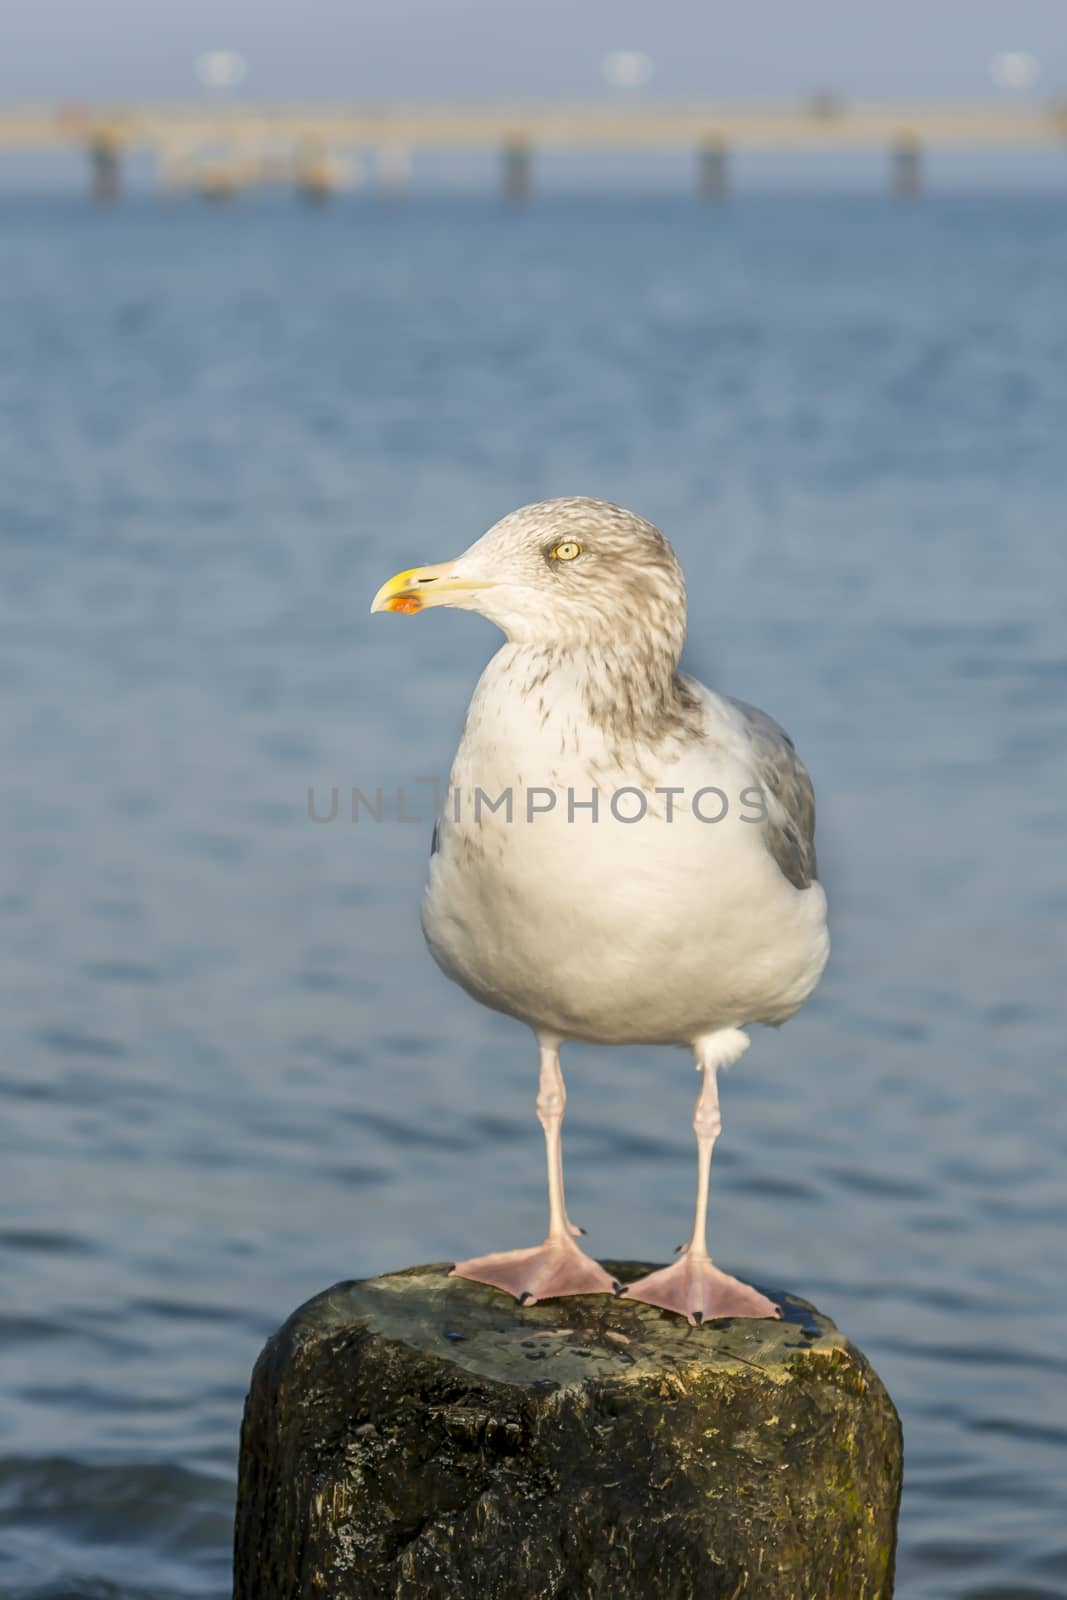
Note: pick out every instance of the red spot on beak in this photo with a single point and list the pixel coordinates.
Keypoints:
(406, 602)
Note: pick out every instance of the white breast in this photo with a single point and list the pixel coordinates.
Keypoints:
(603, 929)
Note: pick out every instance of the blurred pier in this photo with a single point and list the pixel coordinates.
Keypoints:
(220, 150)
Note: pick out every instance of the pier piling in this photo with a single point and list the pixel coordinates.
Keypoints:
(105, 170)
(516, 171)
(713, 170)
(907, 168)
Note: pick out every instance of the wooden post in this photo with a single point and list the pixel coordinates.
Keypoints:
(713, 170)
(425, 1436)
(907, 167)
(105, 170)
(516, 171)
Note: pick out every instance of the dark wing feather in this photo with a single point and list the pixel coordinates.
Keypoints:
(790, 827)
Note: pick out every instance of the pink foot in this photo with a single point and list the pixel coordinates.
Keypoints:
(695, 1288)
(541, 1273)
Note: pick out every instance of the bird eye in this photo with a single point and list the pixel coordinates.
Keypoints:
(567, 550)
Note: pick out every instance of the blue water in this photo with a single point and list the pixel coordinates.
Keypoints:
(231, 1075)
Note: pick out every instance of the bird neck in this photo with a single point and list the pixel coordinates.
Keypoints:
(632, 694)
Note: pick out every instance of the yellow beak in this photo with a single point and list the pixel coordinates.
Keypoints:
(422, 586)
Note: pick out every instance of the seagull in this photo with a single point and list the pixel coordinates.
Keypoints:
(623, 857)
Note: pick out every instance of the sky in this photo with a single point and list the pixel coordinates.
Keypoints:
(531, 49)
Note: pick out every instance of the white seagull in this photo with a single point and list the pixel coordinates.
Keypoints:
(625, 857)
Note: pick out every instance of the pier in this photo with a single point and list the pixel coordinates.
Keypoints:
(220, 149)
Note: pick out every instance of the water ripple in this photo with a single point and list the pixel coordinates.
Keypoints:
(232, 1074)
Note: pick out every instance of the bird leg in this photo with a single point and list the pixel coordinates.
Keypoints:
(693, 1286)
(558, 1266)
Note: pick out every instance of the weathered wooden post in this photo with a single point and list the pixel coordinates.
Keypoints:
(516, 171)
(423, 1436)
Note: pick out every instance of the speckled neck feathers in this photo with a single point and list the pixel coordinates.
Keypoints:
(630, 696)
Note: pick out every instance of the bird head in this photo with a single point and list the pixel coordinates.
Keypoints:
(569, 572)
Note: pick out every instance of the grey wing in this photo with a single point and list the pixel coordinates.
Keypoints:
(790, 798)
